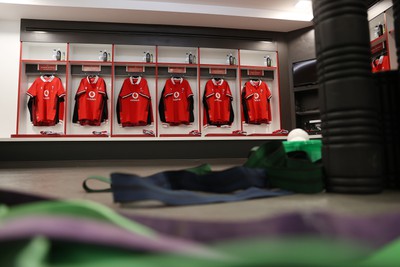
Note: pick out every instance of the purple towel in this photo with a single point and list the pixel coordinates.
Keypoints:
(97, 233)
(373, 230)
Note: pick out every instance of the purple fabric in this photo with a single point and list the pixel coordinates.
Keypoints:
(374, 231)
(94, 232)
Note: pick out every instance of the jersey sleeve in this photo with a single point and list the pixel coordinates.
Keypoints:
(268, 91)
(245, 111)
(190, 97)
(61, 95)
(231, 112)
(32, 91)
(269, 96)
(189, 92)
(191, 108)
(208, 92)
(161, 106)
(145, 92)
(125, 91)
(150, 114)
(228, 90)
(206, 112)
(103, 90)
(81, 89)
(247, 92)
(60, 89)
(75, 116)
(31, 103)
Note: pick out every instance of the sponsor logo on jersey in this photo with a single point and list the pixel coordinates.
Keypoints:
(218, 97)
(92, 95)
(46, 94)
(177, 96)
(135, 97)
(257, 97)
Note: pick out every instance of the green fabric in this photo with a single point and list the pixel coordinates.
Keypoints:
(200, 170)
(294, 251)
(311, 147)
(96, 178)
(388, 256)
(296, 175)
(83, 209)
(289, 252)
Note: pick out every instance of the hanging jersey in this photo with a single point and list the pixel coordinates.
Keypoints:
(46, 95)
(91, 102)
(134, 103)
(256, 102)
(380, 64)
(217, 101)
(176, 103)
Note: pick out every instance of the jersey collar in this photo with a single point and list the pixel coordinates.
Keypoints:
(138, 80)
(95, 80)
(47, 80)
(219, 82)
(174, 80)
(255, 83)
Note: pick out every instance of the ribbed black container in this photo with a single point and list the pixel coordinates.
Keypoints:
(388, 84)
(352, 150)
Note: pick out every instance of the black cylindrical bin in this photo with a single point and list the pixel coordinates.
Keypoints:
(351, 134)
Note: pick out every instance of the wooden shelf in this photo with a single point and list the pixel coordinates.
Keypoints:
(90, 62)
(247, 67)
(129, 63)
(219, 66)
(44, 61)
(172, 64)
(379, 40)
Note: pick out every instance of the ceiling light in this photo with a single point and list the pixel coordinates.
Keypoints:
(304, 5)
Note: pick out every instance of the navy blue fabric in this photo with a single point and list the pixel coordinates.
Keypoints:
(187, 188)
(217, 181)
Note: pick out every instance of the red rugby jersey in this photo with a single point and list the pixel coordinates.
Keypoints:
(381, 64)
(176, 103)
(46, 94)
(134, 103)
(91, 102)
(256, 102)
(217, 101)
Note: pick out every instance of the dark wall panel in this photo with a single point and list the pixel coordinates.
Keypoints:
(120, 33)
(105, 150)
(301, 46)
